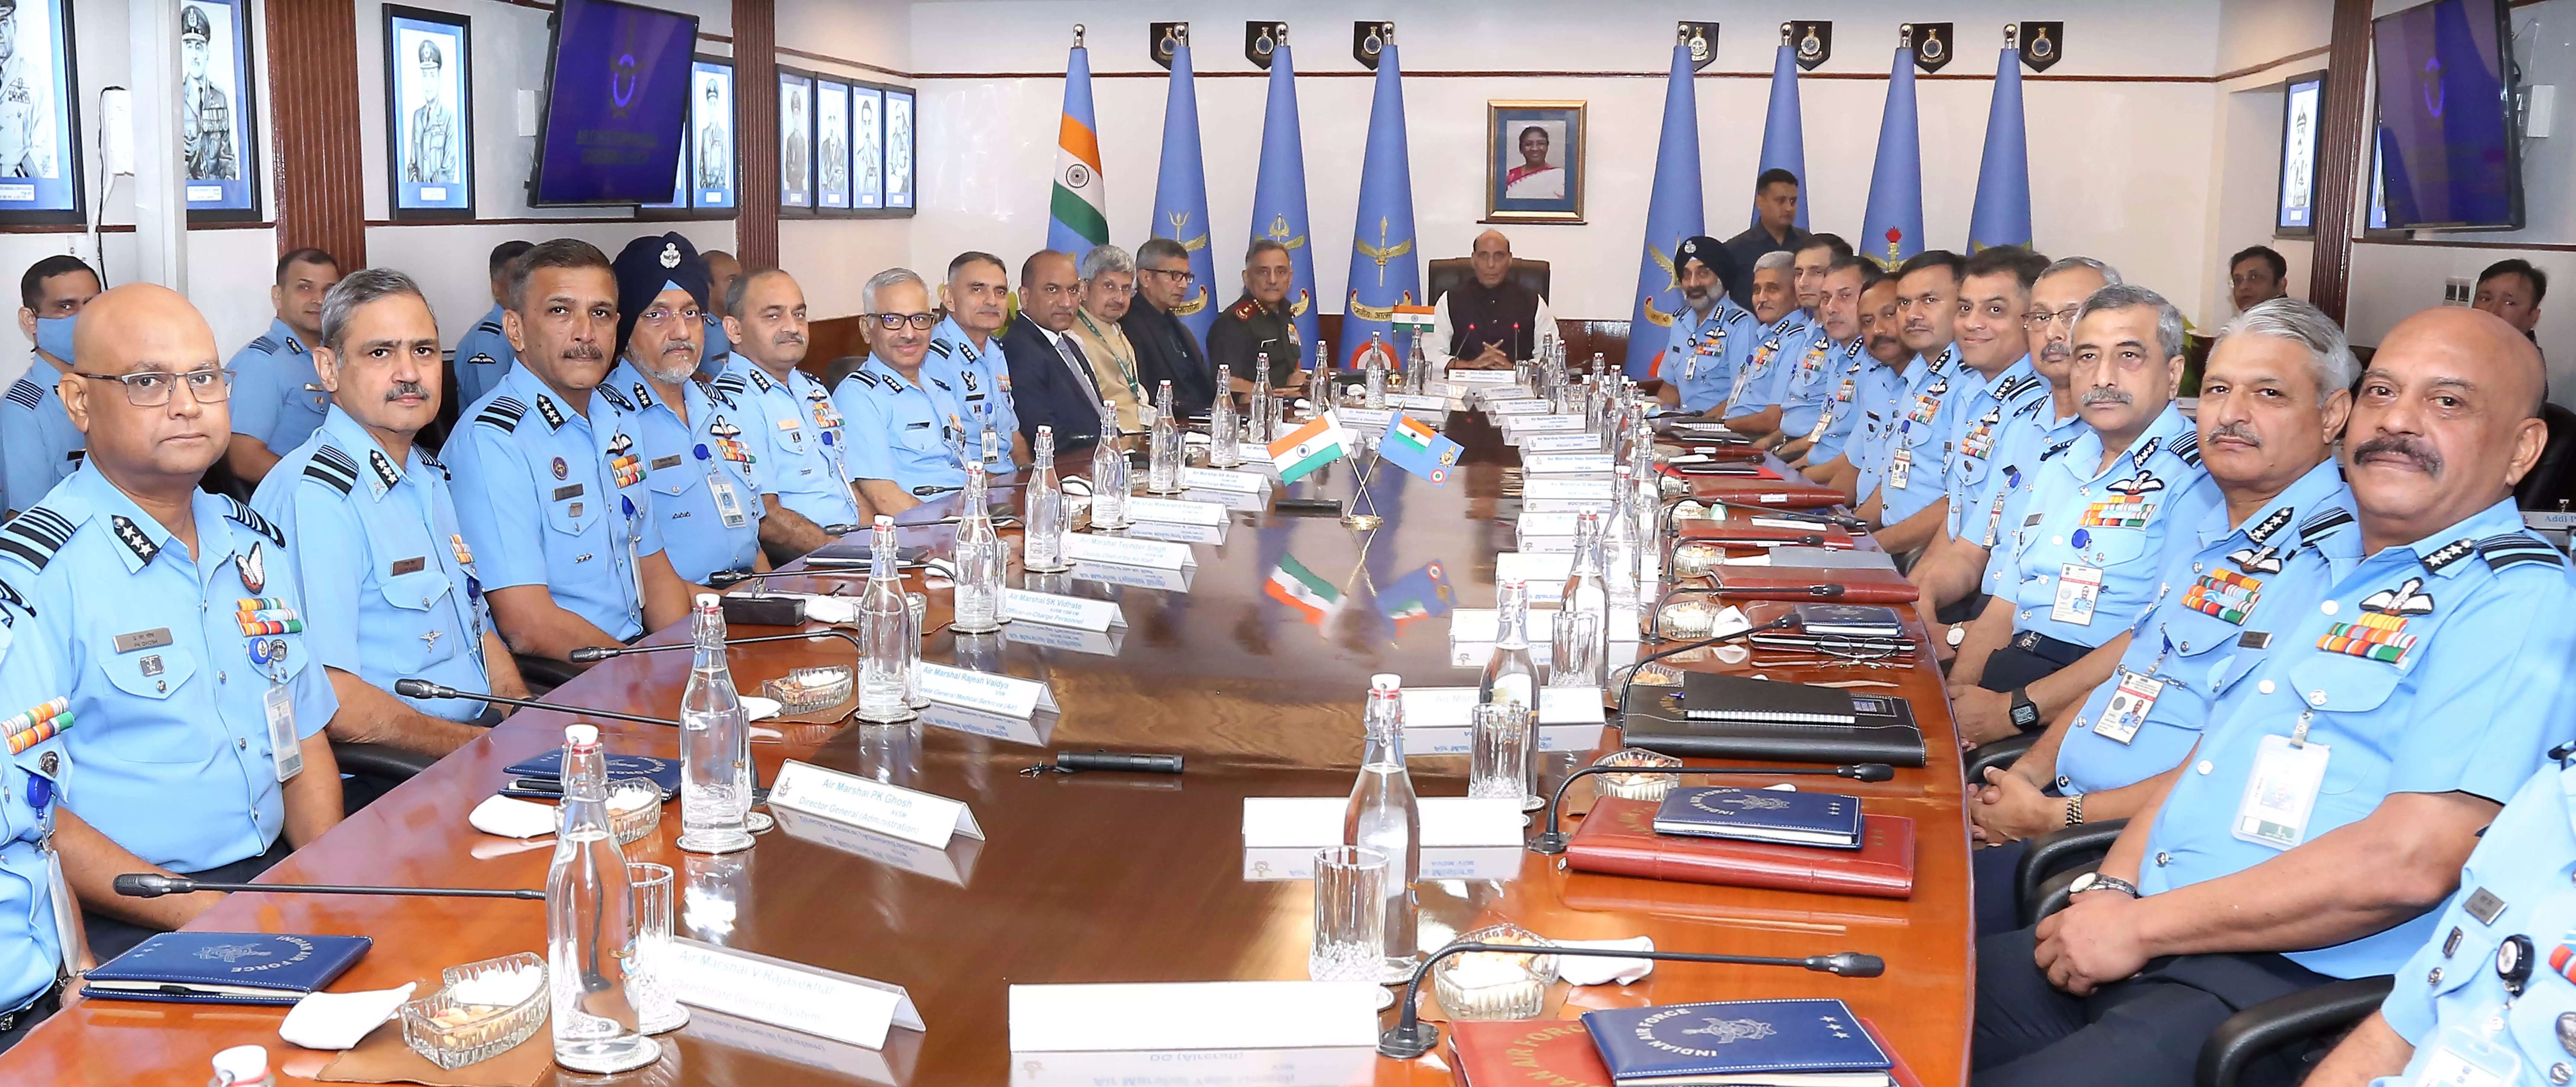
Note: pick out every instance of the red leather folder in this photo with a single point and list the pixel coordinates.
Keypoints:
(1727, 452)
(1618, 838)
(1786, 494)
(1826, 586)
(1748, 534)
(1720, 468)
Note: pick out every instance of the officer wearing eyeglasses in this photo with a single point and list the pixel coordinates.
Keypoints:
(908, 432)
(1166, 349)
(696, 463)
(175, 617)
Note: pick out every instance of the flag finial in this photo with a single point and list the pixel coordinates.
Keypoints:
(1282, 37)
(1077, 35)
(1784, 33)
(2012, 35)
(1681, 33)
(1905, 36)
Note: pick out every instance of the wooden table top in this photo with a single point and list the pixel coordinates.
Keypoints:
(1087, 878)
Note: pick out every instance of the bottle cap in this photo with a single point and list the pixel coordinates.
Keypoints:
(581, 735)
(1045, 430)
(242, 1064)
(706, 601)
(1386, 681)
(884, 522)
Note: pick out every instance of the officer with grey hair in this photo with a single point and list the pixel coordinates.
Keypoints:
(907, 430)
(1108, 290)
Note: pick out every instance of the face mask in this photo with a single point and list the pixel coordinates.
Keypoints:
(54, 337)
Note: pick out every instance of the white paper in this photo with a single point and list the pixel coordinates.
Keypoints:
(1206, 1015)
(1525, 567)
(333, 1021)
(511, 817)
(887, 809)
(1220, 479)
(1089, 547)
(1007, 695)
(1141, 508)
(1599, 490)
(786, 994)
(1484, 862)
(1316, 821)
(1559, 443)
(1078, 612)
(1450, 707)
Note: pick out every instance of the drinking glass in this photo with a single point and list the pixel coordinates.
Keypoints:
(657, 1003)
(1575, 657)
(1350, 915)
(1502, 752)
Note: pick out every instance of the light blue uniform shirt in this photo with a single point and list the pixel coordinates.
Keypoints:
(800, 458)
(549, 497)
(905, 432)
(2524, 862)
(1703, 352)
(483, 357)
(2116, 520)
(1808, 384)
(31, 946)
(1776, 351)
(277, 398)
(1988, 411)
(1915, 432)
(1861, 389)
(169, 691)
(39, 446)
(390, 589)
(2469, 632)
(2007, 500)
(698, 470)
(981, 381)
(2216, 614)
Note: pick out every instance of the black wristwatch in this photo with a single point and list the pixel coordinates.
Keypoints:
(2025, 713)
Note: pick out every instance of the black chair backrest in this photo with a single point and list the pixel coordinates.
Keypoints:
(2552, 480)
(1451, 271)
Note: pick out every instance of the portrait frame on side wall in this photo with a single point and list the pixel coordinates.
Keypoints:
(867, 147)
(218, 117)
(712, 148)
(902, 133)
(2302, 107)
(795, 142)
(832, 146)
(40, 147)
(429, 114)
(1534, 169)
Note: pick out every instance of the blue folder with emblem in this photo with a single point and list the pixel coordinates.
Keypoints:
(225, 968)
(1776, 1043)
(664, 773)
(1761, 815)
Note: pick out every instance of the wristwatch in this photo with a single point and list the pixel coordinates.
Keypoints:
(2075, 810)
(2025, 713)
(2096, 881)
(1958, 633)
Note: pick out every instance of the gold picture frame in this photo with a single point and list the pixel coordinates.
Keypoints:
(1509, 123)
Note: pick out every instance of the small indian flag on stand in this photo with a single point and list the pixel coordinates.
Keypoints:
(1308, 447)
(1298, 587)
(1413, 318)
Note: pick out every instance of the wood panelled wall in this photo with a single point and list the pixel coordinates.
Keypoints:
(755, 115)
(316, 160)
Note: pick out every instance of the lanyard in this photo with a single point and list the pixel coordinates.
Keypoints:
(1126, 369)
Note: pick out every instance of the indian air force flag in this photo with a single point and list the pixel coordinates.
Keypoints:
(2002, 216)
(1314, 598)
(1784, 138)
(1412, 445)
(1309, 447)
(1279, 194)
(1078, 210)
(1892, 229)
(1384, 273)
(1180, 191)
(1673, 212)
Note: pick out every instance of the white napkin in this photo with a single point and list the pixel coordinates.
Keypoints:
(761, 709)
(339, 1020)
(829, 609)
(1587, 970)
(510, 817)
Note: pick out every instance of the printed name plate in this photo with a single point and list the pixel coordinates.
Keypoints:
(1088, 547)
(1558, 443)
(1008, 695)
(1449, 707)
(1366, 420)
(1532, 568)
(1316, 821)
(1590, 490)
(1515, 407)
(887, 809)
(1080, 613)
(1177, 533)
(1574, 464)
(953, 865)
(1482, 862)
(1522, 426)
(1221, 479)
(780, 993)
(1098, 643)
(1414, 402)
(1198, 1016)
(1479, 377)
(1141, 508)
(1565, 505)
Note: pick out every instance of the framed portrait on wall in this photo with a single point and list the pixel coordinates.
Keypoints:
(831, 145)
(217, 119)
(2302, 100)
(429, 113)
(899, 146)
(867, 147)
(1534, 162)
(40, 161)
(711, 143)
(795, 140)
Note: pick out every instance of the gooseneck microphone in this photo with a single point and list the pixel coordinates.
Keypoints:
(1551, 840)
(1785, 621)
(1410, 1037)
(588, 653)
(154, 885)
(421, 688)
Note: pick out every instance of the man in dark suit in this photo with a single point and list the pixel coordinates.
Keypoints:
(1051, 383)
(1165, 349)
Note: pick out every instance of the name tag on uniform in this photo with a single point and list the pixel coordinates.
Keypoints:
(2127, 712)
(2281, 793)
(672, 461)
(283, 745)
(154, 638)
(570, 490)
(409, 566)
(2077, 588)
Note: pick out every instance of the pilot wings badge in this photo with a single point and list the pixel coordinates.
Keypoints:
(2406, 599)
(2253, 560)
(1724, 1031)
(2144, 482)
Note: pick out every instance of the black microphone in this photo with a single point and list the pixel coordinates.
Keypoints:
(154, 885)
(421, 688)
(726, 578)
(1410, 1037)
(1551, 840)
(1789, 620)
(588, 653)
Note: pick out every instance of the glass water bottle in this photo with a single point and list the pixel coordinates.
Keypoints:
(1256, 418)
(1163, 445)
(1223, 448)
(885, 625)
(1042, 515)
(1509, 675)
(982, 560)
(1383, 815)
(590, 923)
(1579, 665)
(1109, 483)
(715, 742)
(1374, 381)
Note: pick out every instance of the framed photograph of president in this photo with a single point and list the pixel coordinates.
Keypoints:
(1534, 162)
(429, 113)
(216, 117)
(40, 151)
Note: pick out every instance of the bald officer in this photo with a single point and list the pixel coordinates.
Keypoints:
(391, 590)
(690, 435)
(177, 622)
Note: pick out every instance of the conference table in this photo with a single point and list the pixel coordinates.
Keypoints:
(1092, 877)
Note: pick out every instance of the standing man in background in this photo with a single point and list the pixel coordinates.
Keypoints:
(722, 270)
(1775, 227)
(277, 398)
(2255, 275)
(483, 354)
(39, 446)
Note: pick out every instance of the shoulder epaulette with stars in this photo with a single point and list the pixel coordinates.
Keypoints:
(554, 416)
(1244, 310)
(2316, 527)
(759, 378)
(26, 394)
(503, 413)
(2515, 547)
(250, 518)
(383, 466)
(643, 394)
(264, 344)
(2187, 447)
(2263, 531)
(35, 535)
(333, 468)
(614, 397)
(2017, 386)
(2449, 553)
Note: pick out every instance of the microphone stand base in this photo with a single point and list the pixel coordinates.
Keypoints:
(1404, 1045)
(1550, 842)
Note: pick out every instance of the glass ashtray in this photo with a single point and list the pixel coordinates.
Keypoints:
(466, 1021)
(1495, 984)
(1637, 786)
(634, 809)
(1696, 559)
(805, 690)
(1689, 619)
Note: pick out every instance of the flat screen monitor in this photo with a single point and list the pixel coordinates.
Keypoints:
(2446, 135)
(2301, 100)
(616, 105)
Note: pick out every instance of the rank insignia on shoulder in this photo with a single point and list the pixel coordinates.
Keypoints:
(2518, 547)
(131, 535)
(35, 535)
(26, 393)
(333, 468)
(503, 414)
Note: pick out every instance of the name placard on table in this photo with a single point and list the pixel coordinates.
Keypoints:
(1194, 1016)
(1141, 508)
(1283, 822)
(1139, 577)
(953, 865)
(1007, 695)
(1591, 490)
(1575, 464)
(1366, 420)
(1079, 613)
(1449, 707)
(1223, 479)
(1521, 427)
(1476, 862)
(887, 809)
(1418, 402)
(1092, 547)
(1460, 376)
(1031, 731)
(1566, 505)
(1176, 532)
(1532, 568)
(1495, 406)
(780, 993)
(1560, 443)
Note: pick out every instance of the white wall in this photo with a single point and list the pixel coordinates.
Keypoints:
(2115, 166)
(832, 258)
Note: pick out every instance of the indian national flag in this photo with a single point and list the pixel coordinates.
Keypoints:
(1308, 447)
(1078, 211)
(1298, 587)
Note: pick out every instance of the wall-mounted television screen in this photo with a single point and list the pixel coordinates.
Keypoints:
(2448, 152)
(616, 104)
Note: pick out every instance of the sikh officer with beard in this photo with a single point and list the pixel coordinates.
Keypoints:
(690, 435)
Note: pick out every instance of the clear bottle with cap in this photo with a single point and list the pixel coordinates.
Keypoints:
(1373, 379)
(884, 627)
(1163, 445)
(715, 742)
(982, 559)
(1042, 514)
(241, 1066)
(1384, 815)
(1621, 543)
(590, 923)
(1224, 448)
(994, 455)
(1319, 384)
(1586, 594)
(1109, 483)
(1509, 674)
(1417, 369)
(1256, 418)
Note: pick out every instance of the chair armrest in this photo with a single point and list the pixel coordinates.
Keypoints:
(381, 760)
(2266, 1027)
(1999, 755)
(543, 674)
(2053, 895)
(2050, 854)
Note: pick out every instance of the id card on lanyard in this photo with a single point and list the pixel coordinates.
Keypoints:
(728, 500)
(69, 935)
(2281, 793)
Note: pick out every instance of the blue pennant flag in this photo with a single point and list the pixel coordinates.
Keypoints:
(1892, 230)
(1673, 213)
(1077, 206)
(2003, 180)
(1784, 139)
(1279, 195)
(1385, 272)
(1180, 193)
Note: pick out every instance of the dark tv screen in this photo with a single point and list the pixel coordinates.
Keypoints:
(616, 106)
(2446, 137)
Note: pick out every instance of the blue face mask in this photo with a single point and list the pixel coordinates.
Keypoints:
(54, 337)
